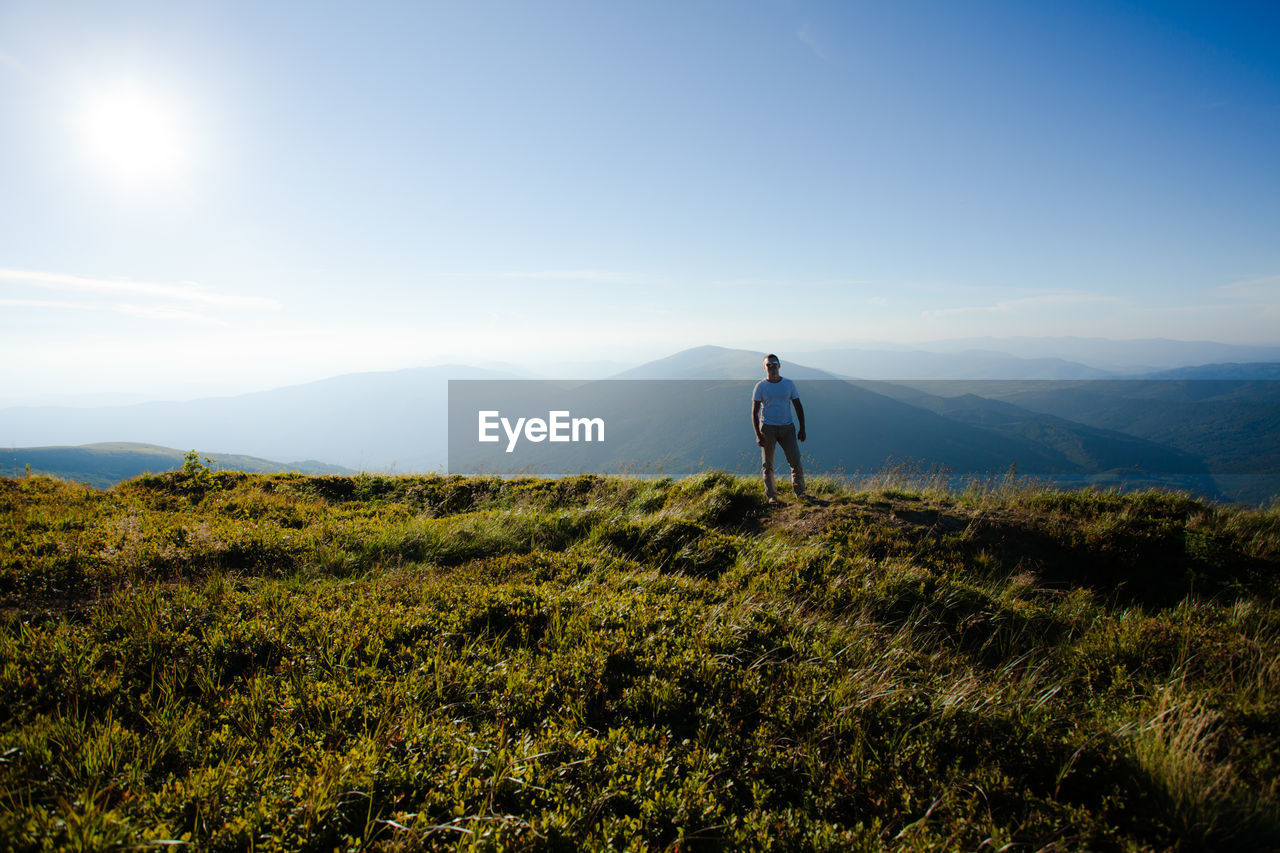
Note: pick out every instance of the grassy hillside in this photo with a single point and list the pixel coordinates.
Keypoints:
(286, 662)
(105, 464)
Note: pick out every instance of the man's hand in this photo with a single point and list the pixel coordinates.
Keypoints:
(759, 440)
(800, 434)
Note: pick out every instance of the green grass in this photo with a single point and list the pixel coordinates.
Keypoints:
(238, 661)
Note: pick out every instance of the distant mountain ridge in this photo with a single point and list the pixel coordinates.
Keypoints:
(1269, 371)
(363, 421)
(398, 420)
(679, 426)
(1131, 356)
(105, 464)
(965, 364)
(711, 362)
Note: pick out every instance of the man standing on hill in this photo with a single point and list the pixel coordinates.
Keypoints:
(771, 418)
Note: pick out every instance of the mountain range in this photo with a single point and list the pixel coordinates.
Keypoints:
(1212, 428)
(105, 464)
(677, 426)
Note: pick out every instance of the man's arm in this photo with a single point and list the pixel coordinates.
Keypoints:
(800, 415)
(755, 422)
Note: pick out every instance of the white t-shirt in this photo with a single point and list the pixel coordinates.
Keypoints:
(776, 398)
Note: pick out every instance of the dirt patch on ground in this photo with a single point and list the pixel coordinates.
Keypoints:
(800, 519)
(812, 518)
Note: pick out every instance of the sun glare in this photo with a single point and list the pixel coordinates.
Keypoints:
(134, 136)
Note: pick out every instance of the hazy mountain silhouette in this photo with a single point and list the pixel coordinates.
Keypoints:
(1120, 356)
(967, 364)
(1252, 370)
(104, 465)
(711, 362)
(364, 421)
(397, 420)
(676, 426)
(1090, 448)
(1234, 425)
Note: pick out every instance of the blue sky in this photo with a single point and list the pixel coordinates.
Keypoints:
(236, 195)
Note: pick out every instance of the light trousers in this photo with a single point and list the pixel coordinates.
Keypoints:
(786, 436)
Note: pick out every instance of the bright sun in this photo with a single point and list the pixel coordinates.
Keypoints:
(134, 136)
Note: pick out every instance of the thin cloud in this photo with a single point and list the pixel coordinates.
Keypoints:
(1191, 310)
(591, 276)
(160, 312)
(1009, 306)
(147, 312)
(780, 281)
(11, 61)
(189, 292)
(809, 39)
(1265, 289)
(49, 303)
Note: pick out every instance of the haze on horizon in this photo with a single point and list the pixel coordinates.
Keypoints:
(237, 196)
